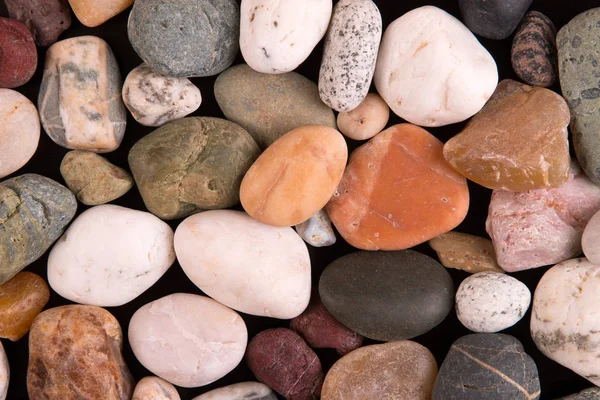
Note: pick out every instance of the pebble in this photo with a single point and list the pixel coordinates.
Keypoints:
(350, 53)
(192, 164)
(154, 99)
(93, 179)
(381, 295)
(493, 19)
(541, 227)
(240, 391)
(80, 96)
(20, 132)
(34, 211)
(188, 340)
(317, 230)
(75, 353)
(185, 38)
(365, 121)
(19, 54)
(295, 177)
(395, 370)
(21, 300)
(465, 252)
(277, 37)
(590, 241)
(398, 191)
(526, 136)
(125, 251)
(154, 388)
(462, 81)
(220, 250)
(282, 360)
(96, 12)
(46, 19)
(587, 394)
(4, 373)
(269, 106)
(534, 54)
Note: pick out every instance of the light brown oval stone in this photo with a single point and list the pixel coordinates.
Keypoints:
(92, 13)
(154, 388)
(465, 252)
(366, 120)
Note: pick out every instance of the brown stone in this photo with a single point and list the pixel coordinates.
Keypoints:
(92, 13)
(465, 252)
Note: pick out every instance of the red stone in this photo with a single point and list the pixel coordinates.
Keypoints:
(18, 54)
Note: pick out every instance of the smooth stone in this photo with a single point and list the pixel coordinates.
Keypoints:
(269, 106)
(295, 177)
(124, 253)
(462, 81)
(282, 360)
(395, 370)
(34, 211)
(93, 178)
(524, 129)
(188, 340)
(534, 54)
(185, 38)
(46, 19)
(277, 37)
(350, 53)
(541, 227)
(244, 264)
(21, 300)
(75, 353)
(20, 132)
(587, 394)
(192, 164)
(317, 230)
(4, 373)
(590, 241)
(493, 19)
(154, 99)
(240, 391)
(398, 191)
(491, 366)
(92, 13)
(80, 96)
(465, 252)
(154, 388)
(406, 294)
(365, 121)
(19, 54)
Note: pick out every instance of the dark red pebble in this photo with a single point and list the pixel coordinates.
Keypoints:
(46, 19)
(18, 54)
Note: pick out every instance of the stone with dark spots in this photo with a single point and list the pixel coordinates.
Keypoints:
(587, 394)
(19, 54)
(493, 19)
(46, 19)
(240, 391)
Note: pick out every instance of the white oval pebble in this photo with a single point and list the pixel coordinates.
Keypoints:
(317, 230)
(431, 69)
(155, 388)
(590, 241)
(366, 120)
(4, 373)
(240, 391)
(187, 339)
(110, 255)
(249, 266)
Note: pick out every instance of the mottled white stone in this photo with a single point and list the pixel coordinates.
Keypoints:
(110, 255)
(317, 230)
(240, 391)
(249, 266)
(4, 373)
(431, 69)
(155, 388)
(590, 241)
(366, 120)
(188, 340)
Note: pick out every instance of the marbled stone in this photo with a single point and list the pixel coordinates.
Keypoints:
(92, 13)
(269, 106)
(191, 165)
(46, 19)
(350, 53)
(387, 295)
(188, 340)
(491, 366)
(19, 54)
(465, 252)
(154, 99)
(4, 373)
(587, 394)
(185, 38)
(154, 388)
(34, 211)
(75, 353)
(398, 191)
(240, 391)
(590, 241)
(80, 96)
(317, 230)
(395, 370)
(365, 121)
(493, 19)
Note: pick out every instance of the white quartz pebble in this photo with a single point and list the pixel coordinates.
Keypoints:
(590, 242)
(240, 391)
(4, 373)
(155, 388)
(317, 231)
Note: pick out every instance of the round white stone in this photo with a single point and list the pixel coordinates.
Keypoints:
(431, 69)
(187, 339)
(155, 388)
(590, 242)
(277, 36)
(4, 373)
(249, 266)
(491, 301)
(240, 391)
(110, 255)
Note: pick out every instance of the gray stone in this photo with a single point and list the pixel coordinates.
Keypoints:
(587, 394)
(493, 19)
(317, 230)
(240, 391)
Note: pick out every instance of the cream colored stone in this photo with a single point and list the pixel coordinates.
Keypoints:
(240, 391)
(366, 120)
(4, 373)
(155, 388)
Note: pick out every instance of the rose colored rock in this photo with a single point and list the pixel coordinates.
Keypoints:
(366, 120)
(46, 19)
(21, 300)
(466, 252)
(282, 360)
(295, 176)
(19, 54)
(240, 391)
(590, 241)
(394, 370)
(518, 141)
(4, 374)
(154, 388)
(75, 353)
(92, 13)
(398, 191)
(541, 227)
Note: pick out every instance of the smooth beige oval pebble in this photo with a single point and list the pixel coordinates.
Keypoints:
(366, 120)
(154, 388)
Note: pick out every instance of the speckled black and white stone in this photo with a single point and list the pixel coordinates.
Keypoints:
(350, 53)
(491, 301)
(240, 391)
(587, 394)
(317, 231)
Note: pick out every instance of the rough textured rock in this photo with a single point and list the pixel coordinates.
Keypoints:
(493, 19)
(19, 54)
(317, 230)
(75, 352)
(487, 366)
(34, 211)
(366, 120)
(465, 252)
(92, 13)
(269, 106)
(4, 374)
(154, 388)
(192, 164)
(587, 394)
(590, 241)
(398, 191)
(240, 391)
(46, 19)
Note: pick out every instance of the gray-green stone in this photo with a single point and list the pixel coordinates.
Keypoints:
(587, 394)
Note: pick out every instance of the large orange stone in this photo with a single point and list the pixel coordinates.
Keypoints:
(398, 191)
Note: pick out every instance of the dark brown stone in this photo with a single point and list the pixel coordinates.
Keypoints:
(46, 19)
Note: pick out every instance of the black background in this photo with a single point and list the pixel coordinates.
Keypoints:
(556, 381)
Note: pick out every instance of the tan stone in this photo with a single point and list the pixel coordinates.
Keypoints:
(366, 120)
(155, 388)
(465, 252)
(92, 13)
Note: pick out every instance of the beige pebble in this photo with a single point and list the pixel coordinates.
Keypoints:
(155, 388)
(465, 252)
(365, 121)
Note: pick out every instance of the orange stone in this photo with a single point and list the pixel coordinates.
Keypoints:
(295, 177)
(398, 192)
(92, 13)
(21, 299)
